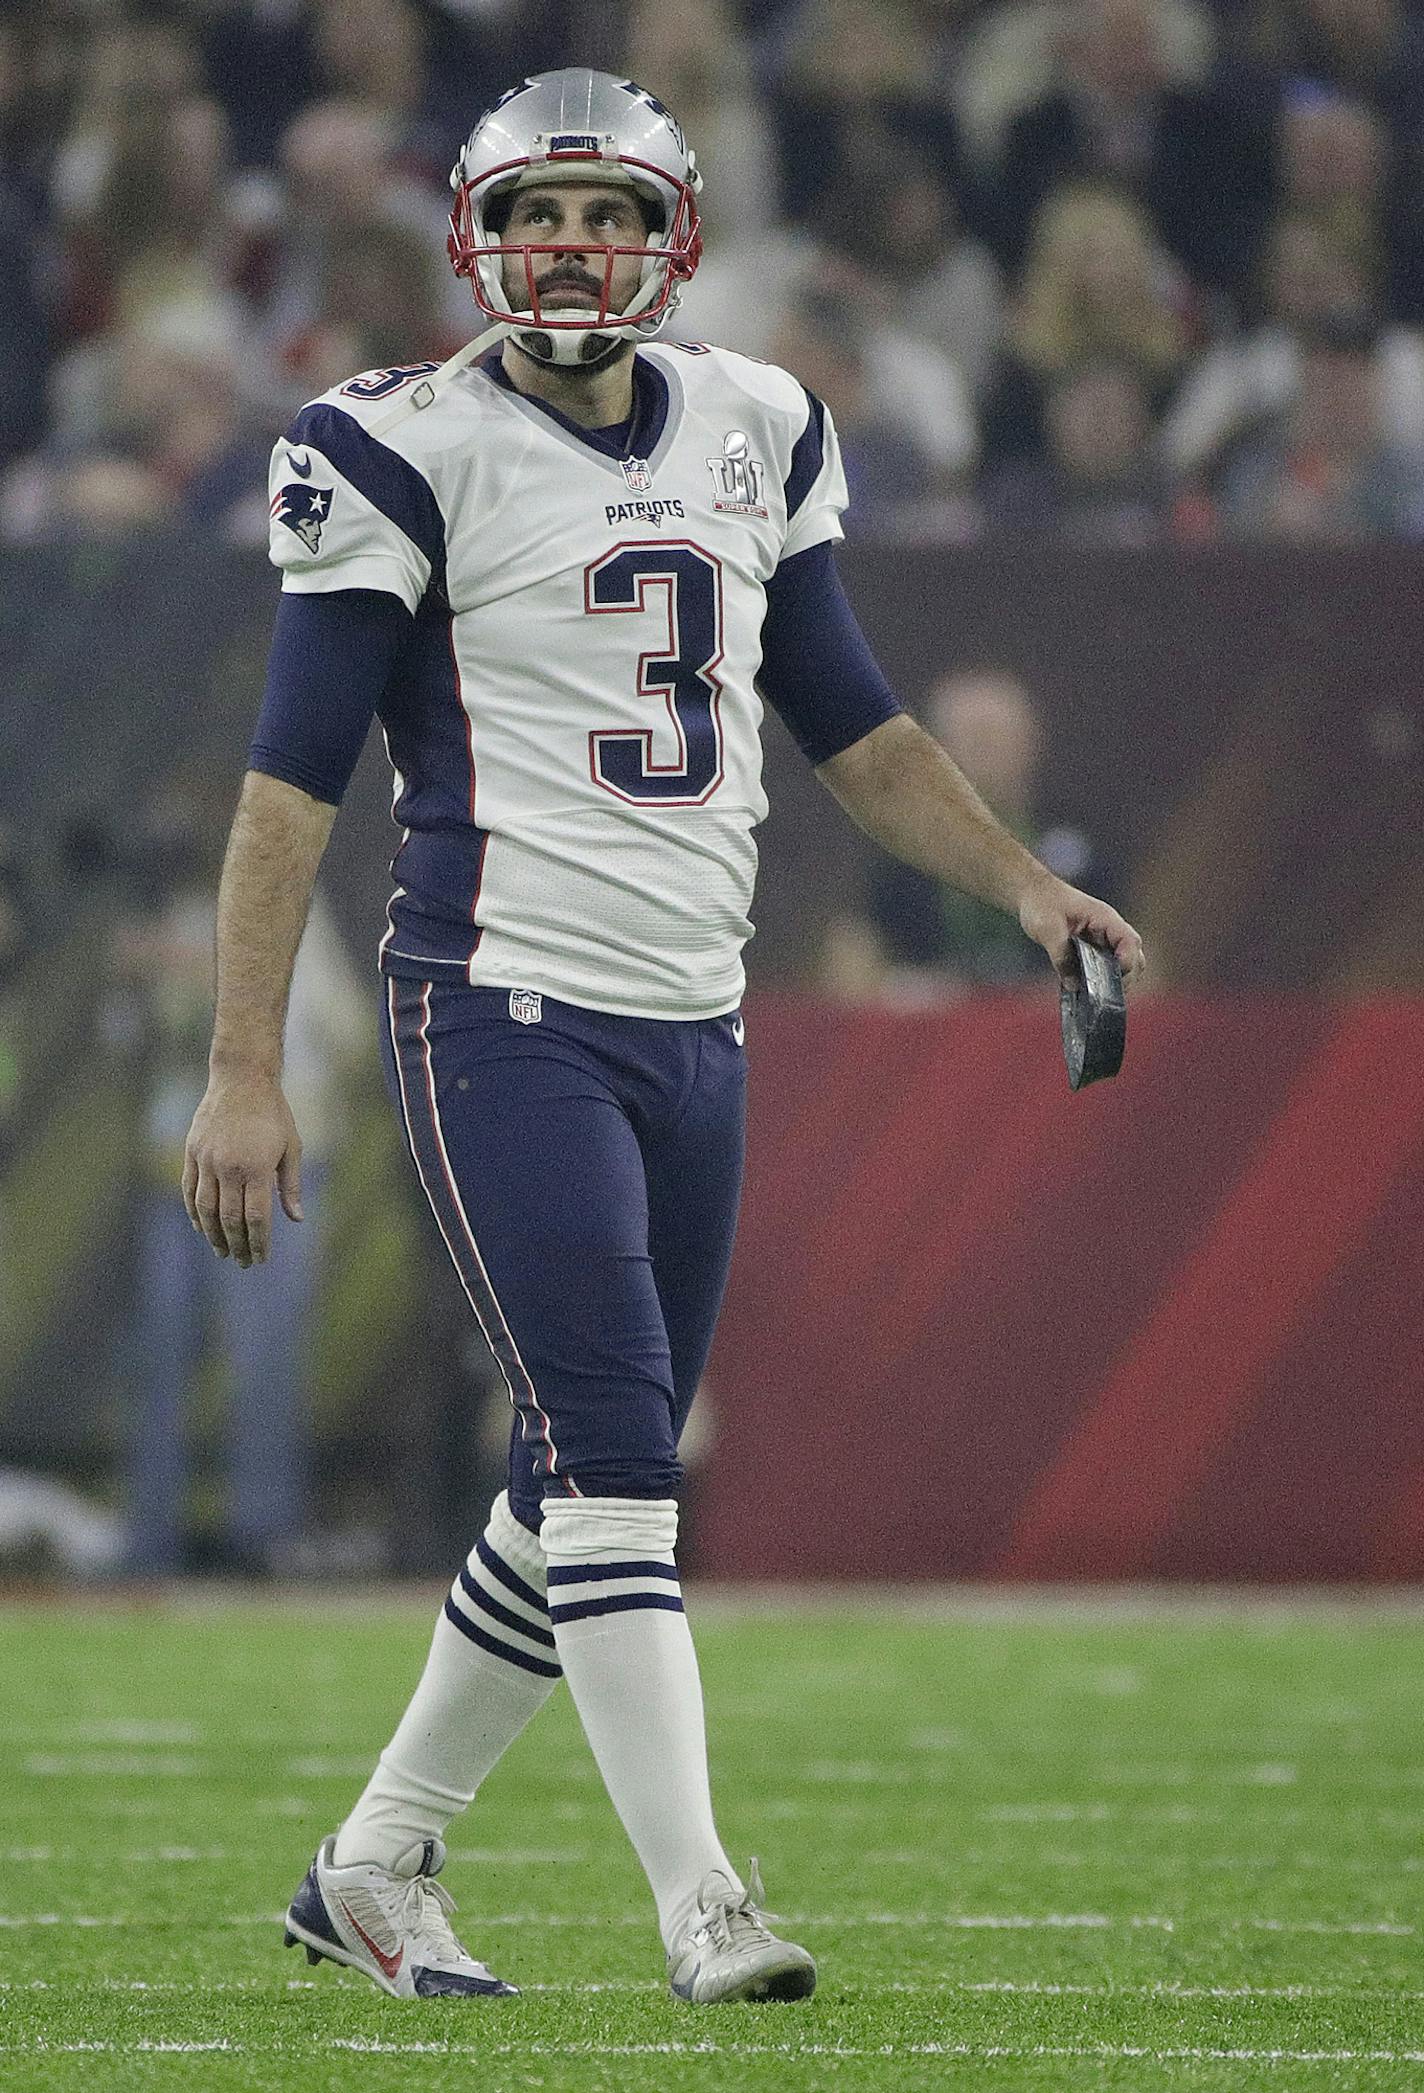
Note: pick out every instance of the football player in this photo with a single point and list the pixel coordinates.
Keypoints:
(563, 569)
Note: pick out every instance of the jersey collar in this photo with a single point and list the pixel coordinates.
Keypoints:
(646, 435)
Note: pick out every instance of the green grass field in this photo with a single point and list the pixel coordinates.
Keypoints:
(1037, 1847)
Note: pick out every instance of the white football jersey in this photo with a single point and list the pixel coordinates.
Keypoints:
(573, 722)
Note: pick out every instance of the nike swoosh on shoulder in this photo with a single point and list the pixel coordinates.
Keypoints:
(389, 1963)
(302, 468)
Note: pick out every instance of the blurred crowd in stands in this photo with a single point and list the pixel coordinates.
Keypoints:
(1117, 270)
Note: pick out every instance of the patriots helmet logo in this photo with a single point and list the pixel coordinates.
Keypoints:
(304, 509)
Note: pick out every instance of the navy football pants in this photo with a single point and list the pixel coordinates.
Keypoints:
(585, 1172)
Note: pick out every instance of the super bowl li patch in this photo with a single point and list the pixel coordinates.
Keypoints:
(737, 478)
(304, 509)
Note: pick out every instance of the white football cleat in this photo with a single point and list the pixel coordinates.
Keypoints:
(391, 1924)
(731, 1953)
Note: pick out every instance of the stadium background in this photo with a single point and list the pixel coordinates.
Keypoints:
(1118, 305)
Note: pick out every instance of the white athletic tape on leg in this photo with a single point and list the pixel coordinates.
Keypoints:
(511, 1539)
(609, 1529)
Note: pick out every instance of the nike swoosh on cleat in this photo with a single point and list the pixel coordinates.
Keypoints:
(303, 472)
(389, 1963)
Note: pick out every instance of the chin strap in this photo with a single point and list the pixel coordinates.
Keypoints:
(616, 347)
(424, 394)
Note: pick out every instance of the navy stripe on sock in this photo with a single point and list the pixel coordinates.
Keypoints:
(502, 1614)
(500, 1570)
(597, 1572)
(616, 1602)
(499, 1649)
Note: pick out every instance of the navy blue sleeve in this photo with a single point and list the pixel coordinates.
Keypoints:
(331, 658)
(816, 665)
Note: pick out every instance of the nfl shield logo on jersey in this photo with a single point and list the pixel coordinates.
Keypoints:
(526, 1006)
(304, 510)
(636, 473)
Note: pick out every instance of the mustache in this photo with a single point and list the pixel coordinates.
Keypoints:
(566, 279)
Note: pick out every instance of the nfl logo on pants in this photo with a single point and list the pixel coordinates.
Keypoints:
(526, 1006)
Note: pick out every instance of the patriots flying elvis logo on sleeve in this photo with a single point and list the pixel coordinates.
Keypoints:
(304, 510)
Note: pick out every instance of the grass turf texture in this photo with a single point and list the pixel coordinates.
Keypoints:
(1037, 1848)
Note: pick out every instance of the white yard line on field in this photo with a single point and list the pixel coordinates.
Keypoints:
(1295, 1815)
(1175, 1813)
(1175, 1863)
(1067, 1813)
(152, 1856)
(520, 1856)
(340, 1979)
(906, 1987)
(866, 1773)
(988, 2052)
(1040, 1989)
(189, 1988)
(107, 1766)
(1009, 1922)
(1330, 1926)
(105, 1734)
(42, 2048)
(921, 1771)
(122, 1729)
(968, 2051)
(105, 1805)
(320, 1768)
(192, 1923)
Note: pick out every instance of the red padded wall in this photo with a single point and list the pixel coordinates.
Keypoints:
(1171, 1327)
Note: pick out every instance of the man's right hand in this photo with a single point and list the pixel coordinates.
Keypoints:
(243, 1135)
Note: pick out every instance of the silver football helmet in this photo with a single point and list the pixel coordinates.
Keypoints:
(576, 125)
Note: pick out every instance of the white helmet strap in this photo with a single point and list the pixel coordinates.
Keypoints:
(423, 395)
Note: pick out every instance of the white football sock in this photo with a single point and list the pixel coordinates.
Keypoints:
(623, 1640)
(491, 1668)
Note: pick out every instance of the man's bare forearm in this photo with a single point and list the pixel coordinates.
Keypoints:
(278, 836)
(898, 784)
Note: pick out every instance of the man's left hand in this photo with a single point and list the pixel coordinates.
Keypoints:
(1052, 912)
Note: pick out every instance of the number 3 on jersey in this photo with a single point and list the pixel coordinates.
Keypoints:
(682, 673)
